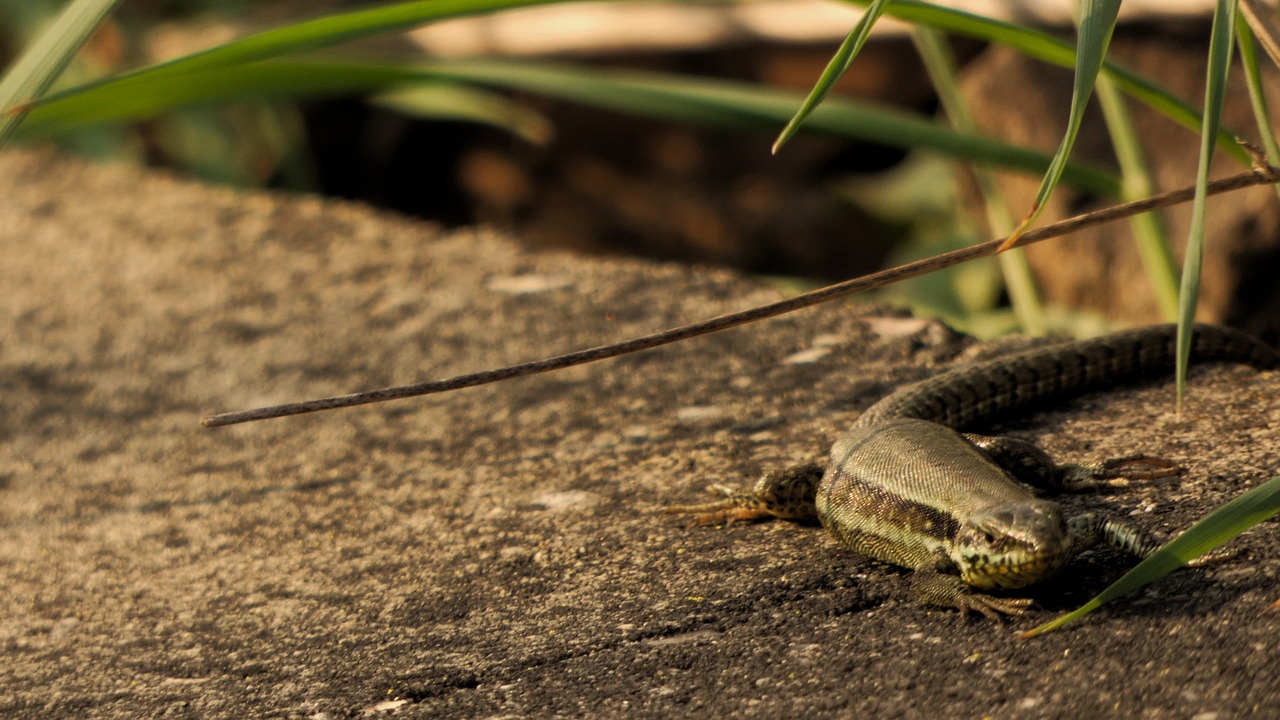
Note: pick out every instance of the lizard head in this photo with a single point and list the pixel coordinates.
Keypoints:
(1012, 545)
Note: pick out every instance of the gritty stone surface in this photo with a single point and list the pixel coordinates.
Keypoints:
(495, 552)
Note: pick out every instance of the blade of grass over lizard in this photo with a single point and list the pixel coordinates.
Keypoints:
(1257, 176)
(47, 57)
(1097, 22)
(1213, 530)
(1220, 46)
(835, 68)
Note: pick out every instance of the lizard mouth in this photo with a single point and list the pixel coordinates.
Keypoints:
(1009, 573)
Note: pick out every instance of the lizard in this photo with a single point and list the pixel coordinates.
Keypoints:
(904, 486)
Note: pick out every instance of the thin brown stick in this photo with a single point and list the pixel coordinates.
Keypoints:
(1262, 20)
(1258, 176)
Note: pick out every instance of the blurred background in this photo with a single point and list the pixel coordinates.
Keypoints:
(570, 175)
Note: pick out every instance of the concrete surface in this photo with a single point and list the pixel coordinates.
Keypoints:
(494, 552)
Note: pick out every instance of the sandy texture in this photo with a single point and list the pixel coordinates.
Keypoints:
(493, 553)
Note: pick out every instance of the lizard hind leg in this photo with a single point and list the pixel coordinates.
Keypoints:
(1028, 463)
(787, 494)
(1116, 472)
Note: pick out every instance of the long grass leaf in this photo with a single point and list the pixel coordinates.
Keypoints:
(1042, 46)
(343, 27)
(718, 103)
(1262, 20)
(835, 68)
(47, 57)
(1097, 22)
(148, 96)
(1220, 46)
(747, 106)
(451, 101)
(1253, 77)
(1220, 526)
(1150, 235)
(1024, 296)
(321, 32)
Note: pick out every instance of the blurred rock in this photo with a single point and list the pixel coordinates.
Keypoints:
(1026, 102)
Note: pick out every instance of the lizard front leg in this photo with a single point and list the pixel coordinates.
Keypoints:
(1090, 529)
(943, 590)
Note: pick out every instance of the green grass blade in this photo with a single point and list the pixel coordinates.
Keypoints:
(1024, 295)
(748, 107)
(313, 34)
(1150, 235)
(1097, 22)
(1262, 20)
(836, 67)
(445, 101)
(719, 103)
(1041, 46)
(1033, 43)
(1220, 46)
(1217, 528)
(1253, 74)
(342, 27)
(47, 57)
(147, 96)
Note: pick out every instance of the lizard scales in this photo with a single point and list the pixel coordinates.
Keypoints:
(986, 390)
(903, 486)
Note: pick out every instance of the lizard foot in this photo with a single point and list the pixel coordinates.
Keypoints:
(950, 591)
(786, 494)
(994, 608)
(1117, 472)
(1214, 556)
(727, 511)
